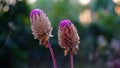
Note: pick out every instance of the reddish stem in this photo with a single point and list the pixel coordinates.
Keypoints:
(71, 59)
(52, 55)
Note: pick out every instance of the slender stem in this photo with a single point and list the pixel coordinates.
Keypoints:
(52, 55)
(71, 59)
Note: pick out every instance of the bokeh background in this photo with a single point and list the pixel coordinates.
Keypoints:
(97, 22)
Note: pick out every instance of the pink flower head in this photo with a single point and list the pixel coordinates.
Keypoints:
(68, 36)
(40, 26)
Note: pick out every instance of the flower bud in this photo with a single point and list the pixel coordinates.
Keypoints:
(68, 37)
(40, 26)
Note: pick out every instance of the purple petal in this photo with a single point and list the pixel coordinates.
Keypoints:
(36, 11)
(64, 23)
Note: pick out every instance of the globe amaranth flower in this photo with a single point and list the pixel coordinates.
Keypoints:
(40, 26)
(68, 37)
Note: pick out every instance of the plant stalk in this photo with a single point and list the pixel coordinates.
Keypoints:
(71, 59)
(52, 55)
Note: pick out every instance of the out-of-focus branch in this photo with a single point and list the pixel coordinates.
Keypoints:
(12, 27)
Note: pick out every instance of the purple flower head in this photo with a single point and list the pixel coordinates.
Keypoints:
(35, 14)
(40, 26)
(68, 36)
(36, 11)
(64, 23)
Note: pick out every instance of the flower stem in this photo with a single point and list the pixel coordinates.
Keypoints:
(71, 59)
(52, 55)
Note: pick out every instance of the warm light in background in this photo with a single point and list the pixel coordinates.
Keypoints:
(31, 1)
(6, 8)
(85, 17)
(84, 2)
(116, 1)
(10, 2)
(117, 10)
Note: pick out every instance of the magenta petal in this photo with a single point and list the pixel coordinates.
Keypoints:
(36, 11)
(64, 23)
